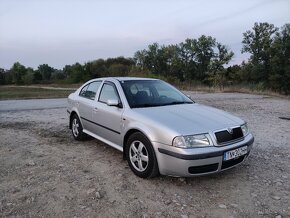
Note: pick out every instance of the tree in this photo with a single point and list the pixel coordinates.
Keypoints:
(96, 68)
(221, 57)
(192, 59)
(140, 58)
(217, 72)
(45, 70)
(17, 72)
(258, 43)
(153, 58)
(37, 76)
(280, 62)
(233, 74)
(57, 75)
(2, 76)
(28, 78)
(204, 53)
(74, 73)
(118, 70)
(187, 52)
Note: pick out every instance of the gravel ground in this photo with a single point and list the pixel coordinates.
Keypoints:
(45, 173)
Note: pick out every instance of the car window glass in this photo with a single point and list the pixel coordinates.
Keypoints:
(136, 87)
(148, 93)
(108, 92)
(163, 91)
(90, 90)
(83, 91)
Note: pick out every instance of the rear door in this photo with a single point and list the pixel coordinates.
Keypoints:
(85, 104)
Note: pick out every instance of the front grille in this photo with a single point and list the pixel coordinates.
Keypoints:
(230, 163)
(224, 136)
(203, 169)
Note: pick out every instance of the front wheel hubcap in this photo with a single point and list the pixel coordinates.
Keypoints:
(138, 156)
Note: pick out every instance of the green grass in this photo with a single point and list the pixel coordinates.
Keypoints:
(15, 92)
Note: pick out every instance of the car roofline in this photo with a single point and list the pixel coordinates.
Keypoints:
(122, 79)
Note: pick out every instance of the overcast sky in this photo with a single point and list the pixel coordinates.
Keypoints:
(60, 32)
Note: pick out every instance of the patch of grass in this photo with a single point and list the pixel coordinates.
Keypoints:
(239, 89)
(15, 92)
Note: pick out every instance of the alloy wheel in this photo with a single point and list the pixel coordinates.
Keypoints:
(138, 156)
(75, 127)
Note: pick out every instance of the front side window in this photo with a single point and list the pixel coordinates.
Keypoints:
(89, 91)
(108, 92)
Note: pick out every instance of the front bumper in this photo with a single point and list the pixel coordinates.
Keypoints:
(197, 161)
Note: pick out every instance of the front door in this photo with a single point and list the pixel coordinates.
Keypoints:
(108, 119)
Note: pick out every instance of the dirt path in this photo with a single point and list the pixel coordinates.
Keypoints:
(45, 173)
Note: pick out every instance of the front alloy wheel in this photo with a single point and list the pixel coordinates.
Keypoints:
(138, 155)
(141, 156)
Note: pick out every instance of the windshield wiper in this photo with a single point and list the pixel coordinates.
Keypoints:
(147, 105)
(179, 102)
(164, 104)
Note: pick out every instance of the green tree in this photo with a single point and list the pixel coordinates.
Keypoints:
(28, 78)
(233, 74)
(153, 58)
(140, 58)
(187, 58)
(57, 75)
(17, 72)
(37, 77)
(96, 68)
(192, 59)
(118, 70)
(204, 54)
(2, 76)
(74, 73)
(258, 43)
(45, 70)
(221, 57)
(279, 80)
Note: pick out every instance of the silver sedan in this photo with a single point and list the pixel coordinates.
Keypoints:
(157, 127)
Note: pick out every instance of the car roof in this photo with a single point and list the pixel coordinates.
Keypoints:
(124, 78)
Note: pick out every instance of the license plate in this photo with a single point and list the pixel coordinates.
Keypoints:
(235, 153)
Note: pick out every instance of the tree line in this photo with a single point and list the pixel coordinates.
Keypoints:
(203, 60)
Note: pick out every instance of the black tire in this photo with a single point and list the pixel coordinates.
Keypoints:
(138, 150)
(77, 128)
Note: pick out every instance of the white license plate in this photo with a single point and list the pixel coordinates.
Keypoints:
(235, 153)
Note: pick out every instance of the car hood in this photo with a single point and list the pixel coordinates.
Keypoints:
(186, 119)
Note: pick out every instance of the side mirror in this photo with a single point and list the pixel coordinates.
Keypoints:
(114, 102)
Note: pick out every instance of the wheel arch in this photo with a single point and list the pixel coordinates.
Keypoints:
(126, 137)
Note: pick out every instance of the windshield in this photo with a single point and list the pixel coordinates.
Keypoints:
(152, 93)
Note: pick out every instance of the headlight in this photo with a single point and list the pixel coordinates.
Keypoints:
(192, 141)
(245, 129)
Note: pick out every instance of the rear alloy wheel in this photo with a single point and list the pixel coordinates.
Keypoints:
(77, 129)
(141, 157)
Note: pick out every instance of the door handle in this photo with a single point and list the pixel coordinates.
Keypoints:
(96, 109)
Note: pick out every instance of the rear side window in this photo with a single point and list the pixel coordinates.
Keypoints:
(89, 91)
(108, 92)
